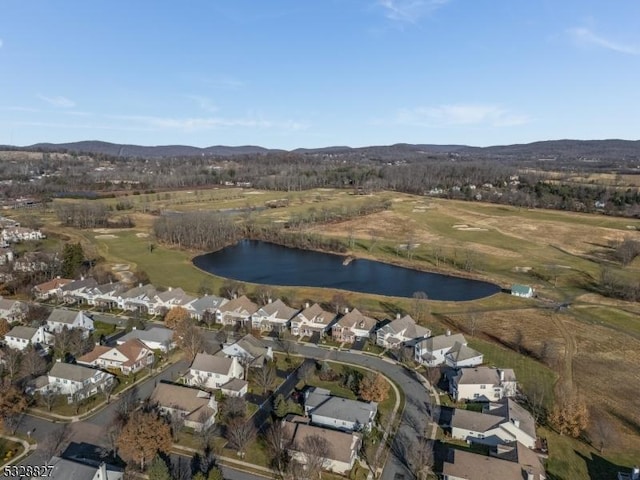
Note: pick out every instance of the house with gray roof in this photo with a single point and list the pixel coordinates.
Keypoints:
(483, 384)
(171, 298)
(66, 469)
(506, 462)
(139, 298)
(462, 355)
(400, 332)
(76, 291)
(328, 410)
(12, 310)
(155, 338)
(273, 317)
(499, 423)
(207, 305)
(77, 382)
(21, 337)
(60, 318)
(432, 351)
(312, 320)
(105, 295)
(249, 350)
(213, 371)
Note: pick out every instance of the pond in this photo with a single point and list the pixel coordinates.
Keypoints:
(269, 264)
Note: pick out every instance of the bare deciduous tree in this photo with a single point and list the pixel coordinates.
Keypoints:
(240, 432)
(316, 450)
(265, 376)
(55, 442)
(278, 443)
(420, 458)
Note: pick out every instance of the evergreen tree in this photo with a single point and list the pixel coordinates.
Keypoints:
(215, 474)
(72, 260)
(158, 470)
(280, 406)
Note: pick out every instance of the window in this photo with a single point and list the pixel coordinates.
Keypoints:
(476, 395)
(482, 387)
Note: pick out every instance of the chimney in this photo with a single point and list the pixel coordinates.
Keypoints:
(398, 316)
(140, 285)
(170, 288)
(102, 472)
(133, 328)
(448, 333)
(635, 473)
(346, 309)
(235, 295)
(306, 305)
(501, 375)
(81, 277)
(269, 300)
(515, 422)
(58, 360)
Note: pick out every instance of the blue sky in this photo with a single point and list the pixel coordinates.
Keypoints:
(312, 73)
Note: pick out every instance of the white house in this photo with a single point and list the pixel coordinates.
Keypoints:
(313, 319)
(12, 310)
(211, 371)
(500, 422)
(274, 316)
(60, 318)
(155, 338)
(171, 298)
(353, 326)
(21, 337)
(20, 234)
(6, 255)
(76, 291)
(433, 350)
(196, 407)
(401, 331)
(76, 381)
(327, 410)
(344, 446)
(462, 355)
(103, 295)
(139, 298)
(129, 357)
(249, 350)
(483, 384)
(522, 291)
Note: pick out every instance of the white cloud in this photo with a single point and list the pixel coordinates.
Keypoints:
(409, 11)
(584, 36)
(1, 43)
(460, 115)
(58, 101)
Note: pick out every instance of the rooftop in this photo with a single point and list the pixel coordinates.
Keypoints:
(211, 363)
(77, 373)
(322, 403)
(441, 342)
(342, 444)
(316, 314)
(484, 375)
(355, 319)
(26, 333)
(279, 309)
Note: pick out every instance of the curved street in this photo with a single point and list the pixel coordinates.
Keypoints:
(415, 417)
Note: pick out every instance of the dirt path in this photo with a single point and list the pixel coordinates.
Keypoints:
(565, 383)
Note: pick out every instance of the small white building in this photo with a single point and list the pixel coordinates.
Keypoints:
(61, 318)
(12, 310)
(76, 381)
(155, 338)
(353, 326)
(433, 350)
(249, 350)
(524, 291)
(327, 410)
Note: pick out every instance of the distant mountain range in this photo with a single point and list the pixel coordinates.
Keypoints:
(551, 149)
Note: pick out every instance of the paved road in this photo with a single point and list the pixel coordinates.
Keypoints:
(414, 420)
(415, 416)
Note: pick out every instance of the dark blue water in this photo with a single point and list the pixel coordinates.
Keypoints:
(266, 263)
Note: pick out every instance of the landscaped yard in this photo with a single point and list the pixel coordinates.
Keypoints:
(8, 450)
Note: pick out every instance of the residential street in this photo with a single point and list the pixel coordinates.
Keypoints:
(91, 432)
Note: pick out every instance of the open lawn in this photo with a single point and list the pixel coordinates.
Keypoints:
(8, 450)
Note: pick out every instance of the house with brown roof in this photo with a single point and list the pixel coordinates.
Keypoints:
(213, 371)
(196, 407)
(344, 446)
(130, 357)
(238, 311)
(312, 320)
(506, 462)
(52, 288)
(273, 317)
(353, 326)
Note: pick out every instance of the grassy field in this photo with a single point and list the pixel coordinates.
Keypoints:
(594, 346)
(8, 450)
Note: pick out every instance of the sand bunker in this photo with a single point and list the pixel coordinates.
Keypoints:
(253, 193)
(102, 237)
(466, 228)
(142, 235)
(522, 269)
(120, 267)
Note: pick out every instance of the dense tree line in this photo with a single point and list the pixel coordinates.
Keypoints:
(197, 230)
(338, 214)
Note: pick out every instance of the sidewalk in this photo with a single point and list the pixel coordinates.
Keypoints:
(250, 467)
(27, 448)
